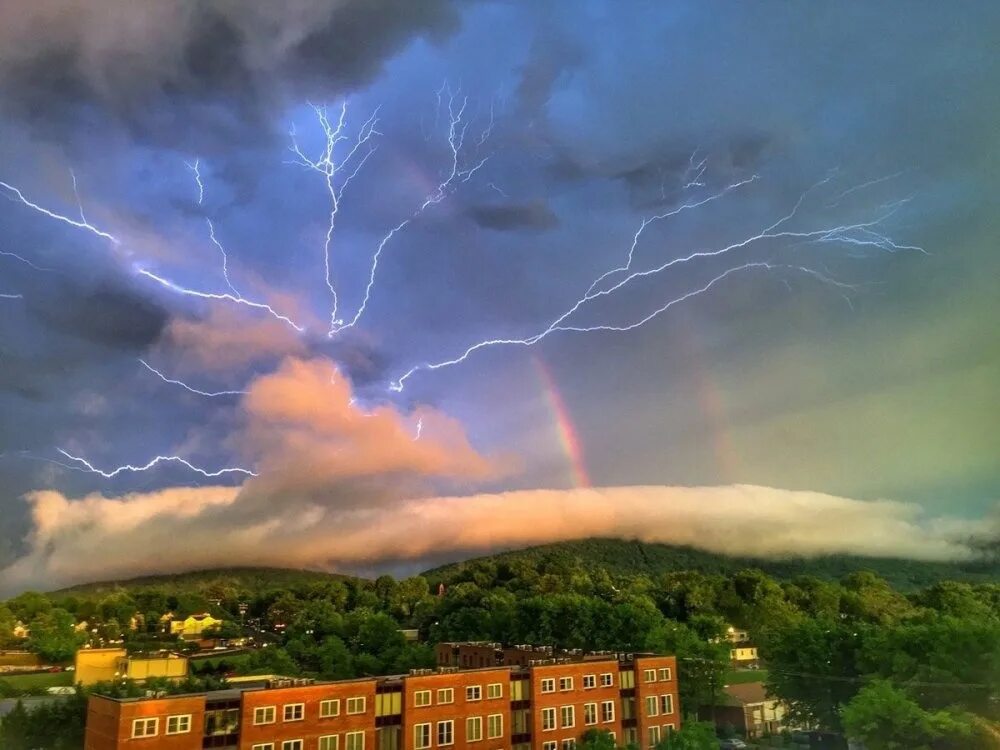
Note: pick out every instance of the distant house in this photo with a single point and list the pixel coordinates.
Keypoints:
(82, 627)
(411, 635)
(742, 652)
(94, 665)
(21, 630)
(194, 625)
(748, 709)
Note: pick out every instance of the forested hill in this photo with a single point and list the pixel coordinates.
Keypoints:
(619, 557)
(251, 579)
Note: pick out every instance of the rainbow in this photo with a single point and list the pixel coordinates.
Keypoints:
(566, 432)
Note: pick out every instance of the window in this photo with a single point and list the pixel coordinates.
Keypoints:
(607, 711)
(550, 745)
(665, 674)
(355, 740)
(548, 685)
(293, 712)
(494, 690)
(520, 721)
(145, 727)
(263, 746)
(565, 683)
(421, 736)
(666, 704)
(388, 704)
(652, 706)
(422, 698)
(626, 679)
(569, 744)
(669, 729)
(446, 695)
(264, 715)
(473, 728)
(356, 705)
(520, 690)
(649, 675)
(329, 742)
(292, 745)
(494, 726)
(607, 679)
(179, 724)
(654, 736)
(568, 716)
(446, 732)
(389, 738)
(589, 713)
(329, 708)
(548, 719)
(589, 681)
(474, 693)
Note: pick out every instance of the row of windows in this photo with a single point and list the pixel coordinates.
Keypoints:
(180, 724)
(566, 683)
(655, 733)
(659, 704)
(296, 711)
(567, 715)
(445, 696)
(567, 744)
(651, 675)
(352, 741)
(445, 731)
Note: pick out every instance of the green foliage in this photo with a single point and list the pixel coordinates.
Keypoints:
(54, 637)
(597, 739)
(55, 725)
(693, 735)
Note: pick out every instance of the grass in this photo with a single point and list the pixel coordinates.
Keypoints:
(743, 676)
(24, 683)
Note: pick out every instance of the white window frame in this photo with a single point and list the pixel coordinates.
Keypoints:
(418, 736)
(422, 698)
(548, 685)
(324, 708)
(565, 684)
(178, 717)
(263, 746)
(550, 745)
(649, 675)
(605, 713)
(473, 693)
(293, 706)
(347, 740)
(665, 674)
(292, 744)
(589, 681)
(654, 736)
(652, 705)
(335, 745)
(494, 721)
(667, 701)
(449, 693)
(572, 716)
(354, 701)
(494, 690)
(568, 744)
(450, 723)
(607, 679)
(257, 721)
(146, 721)
(473, 727)
(589, 714)
(549, 712)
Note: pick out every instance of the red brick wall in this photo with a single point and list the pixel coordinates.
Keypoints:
(461, 709)
(576, 697)
(109, 723)
(657, 688)
(312, 727)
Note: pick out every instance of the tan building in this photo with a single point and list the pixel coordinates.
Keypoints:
(749, 710)
(95, 665)
(194, 625)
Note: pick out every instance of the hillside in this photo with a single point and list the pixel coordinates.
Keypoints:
(620, 557)
(252, 579)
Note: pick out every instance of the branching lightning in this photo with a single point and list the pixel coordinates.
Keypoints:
(859, 233)
(80, 223)
(154, 462)
(185, 386)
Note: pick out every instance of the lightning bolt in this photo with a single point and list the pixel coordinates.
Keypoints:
(420, 429)
(195, 168)
(458, 127)
(185, 386)
(80, 223)
(337, 172)
(11, 296)
(859, 233)
(158, 460)
(24, 260)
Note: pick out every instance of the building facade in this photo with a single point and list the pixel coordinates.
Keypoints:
(546, 705)
(94, 665)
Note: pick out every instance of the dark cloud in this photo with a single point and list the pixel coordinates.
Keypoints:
(169, 70)
(535, 215)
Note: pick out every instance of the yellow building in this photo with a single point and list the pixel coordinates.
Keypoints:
(105, 664)
(743, 655)
(194, 625)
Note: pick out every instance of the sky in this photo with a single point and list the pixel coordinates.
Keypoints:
(362, 285)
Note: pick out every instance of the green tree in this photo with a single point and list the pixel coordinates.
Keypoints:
(693, 735)
(701, 663)
(598, 739)
(54, 637)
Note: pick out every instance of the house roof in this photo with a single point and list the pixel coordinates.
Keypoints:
(747, 693)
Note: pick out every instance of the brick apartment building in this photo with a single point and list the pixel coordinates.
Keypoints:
(546, 704)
